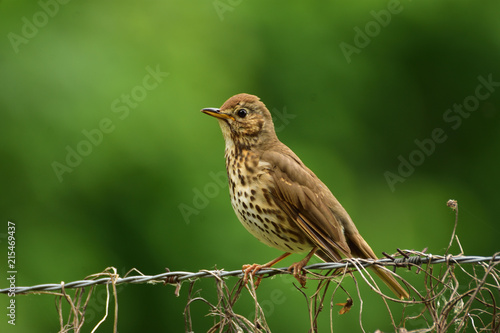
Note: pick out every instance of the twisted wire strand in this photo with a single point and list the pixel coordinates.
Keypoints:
(179, 276)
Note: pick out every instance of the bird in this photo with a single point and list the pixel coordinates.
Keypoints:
(279, 200)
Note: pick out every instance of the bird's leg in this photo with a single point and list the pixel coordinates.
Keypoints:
(254, 268)
(296, 268)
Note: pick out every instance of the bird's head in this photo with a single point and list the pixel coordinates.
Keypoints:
(245, 122)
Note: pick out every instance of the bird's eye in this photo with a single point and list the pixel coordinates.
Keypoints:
(242, 113)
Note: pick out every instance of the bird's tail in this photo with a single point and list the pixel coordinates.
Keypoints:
(385, 276)
(359, 247)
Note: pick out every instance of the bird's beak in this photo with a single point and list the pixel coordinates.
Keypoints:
(214, 112)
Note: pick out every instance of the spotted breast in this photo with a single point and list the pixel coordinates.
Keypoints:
(254, 206)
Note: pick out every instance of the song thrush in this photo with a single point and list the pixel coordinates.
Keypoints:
(278, 199)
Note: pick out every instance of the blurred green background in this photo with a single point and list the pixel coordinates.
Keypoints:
(351, 87)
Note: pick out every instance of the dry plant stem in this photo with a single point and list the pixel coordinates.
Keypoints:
(112, 273)
(311, 323)
(360, 305)
(454, 206)
(226, 318)
(187, 310)
(58, 301)
(473, 296)
(253, 294)
(106, 313)
(84, 308)
(115, 294)
(318, 302)
(345, 271)
(73, 313)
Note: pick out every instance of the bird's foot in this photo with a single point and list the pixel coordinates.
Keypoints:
(252, 270)
(297, 271)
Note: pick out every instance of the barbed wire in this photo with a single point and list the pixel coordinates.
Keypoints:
(409, 259)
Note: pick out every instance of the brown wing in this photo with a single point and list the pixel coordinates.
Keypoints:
(309, 203)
